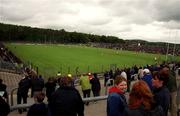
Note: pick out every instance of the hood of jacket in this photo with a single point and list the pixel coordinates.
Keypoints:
(115, 90)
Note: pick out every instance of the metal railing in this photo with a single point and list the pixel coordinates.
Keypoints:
(90, 99)
(12, 93)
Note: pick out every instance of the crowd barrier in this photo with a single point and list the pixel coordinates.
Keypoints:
(90, 99)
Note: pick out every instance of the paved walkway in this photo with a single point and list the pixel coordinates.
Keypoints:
(98, 109)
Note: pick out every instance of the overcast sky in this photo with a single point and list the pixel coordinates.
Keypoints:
(150, 20)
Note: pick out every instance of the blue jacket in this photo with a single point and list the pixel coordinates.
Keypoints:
(148, 79)
(115, 104)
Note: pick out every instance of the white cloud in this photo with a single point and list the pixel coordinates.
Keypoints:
(94, 16)
(149, 20)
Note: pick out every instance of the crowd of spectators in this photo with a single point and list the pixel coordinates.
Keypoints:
(8, 61)
(139, 48)
(156, 90)
(7, 55)
(61, 90)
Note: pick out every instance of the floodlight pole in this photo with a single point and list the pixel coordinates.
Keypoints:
(167, 51)
(174, 49)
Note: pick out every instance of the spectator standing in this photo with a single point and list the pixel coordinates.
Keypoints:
(133, 82)
(111, 74)
(37, 83)
(132, 72)
(106, 78)
(50, 87)
(95, 85)
(66, 100)
(123, 74)
(22, 93)
(172, 87)
(117, 72)
(128, 78)
(116, 100)
(141, 101)
(161, 92)
(90, 76)
(140, 73)
(4, 107)
(178, 90)
(86, 86)
(39, 108)
(147, 77)
(3, 89)
(136, 69)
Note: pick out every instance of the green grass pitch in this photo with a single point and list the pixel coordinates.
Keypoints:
(51, 58)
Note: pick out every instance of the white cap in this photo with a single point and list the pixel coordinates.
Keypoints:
(123, 74)
(146, 71)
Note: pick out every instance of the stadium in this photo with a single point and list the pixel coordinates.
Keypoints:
(49, 59)
(89, 58)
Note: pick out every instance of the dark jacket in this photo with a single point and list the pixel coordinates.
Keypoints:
(50, 88)
(116, 102)
(38, 110)
(3, 89)
(162, 98)
(66, 101)
(37, 84)
(24, 86)
(140, 111)
(171, 83)
(4, 107)
(96, 86)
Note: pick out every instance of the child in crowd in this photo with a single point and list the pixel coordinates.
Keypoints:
(39, 108)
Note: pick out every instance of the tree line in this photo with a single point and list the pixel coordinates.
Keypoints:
(17, 33)
(10, 32)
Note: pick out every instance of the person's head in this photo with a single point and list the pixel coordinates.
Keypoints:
(65, 81)
(95, 75)
(51, 79)
(158, 79)
(59, 73)
(121, 83)
(40, 76)
(89, 74)
(28, 70)
(33, 74)
(146, 71)
(140, 95)
(69, 75)
(164, 71)
(24, 75)
(39, 97)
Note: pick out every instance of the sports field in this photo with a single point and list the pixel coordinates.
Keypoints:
(71, 58)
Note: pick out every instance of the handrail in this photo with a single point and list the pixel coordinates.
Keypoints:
(12, 91)
(7, 97)
(90, 99)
